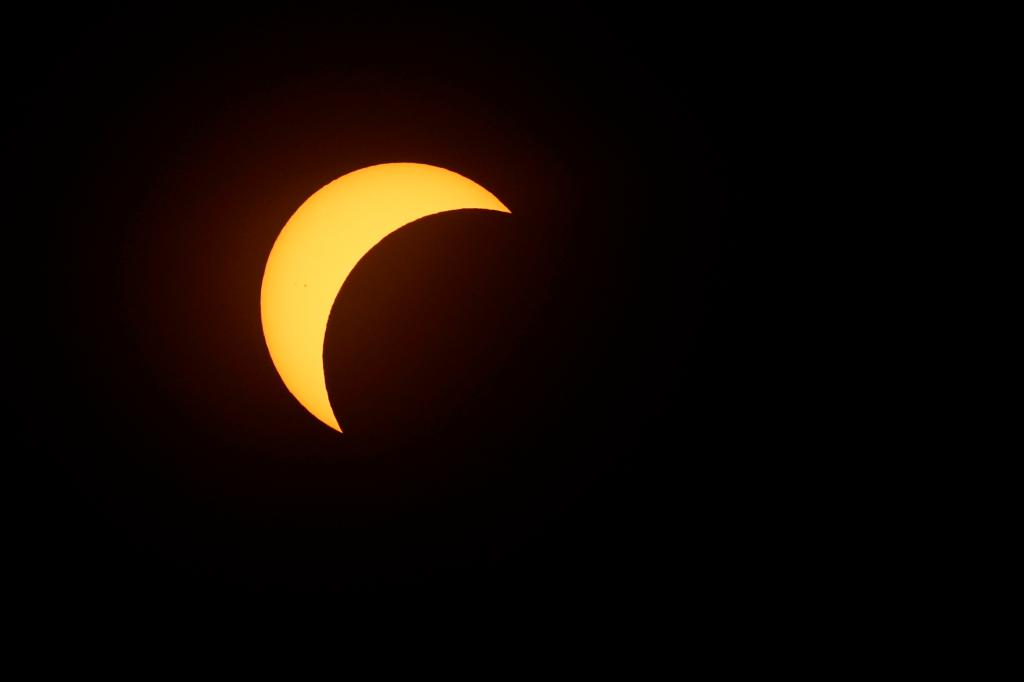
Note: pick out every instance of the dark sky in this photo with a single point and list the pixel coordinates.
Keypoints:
(566, 401)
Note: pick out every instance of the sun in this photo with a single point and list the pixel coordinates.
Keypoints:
(321, 244)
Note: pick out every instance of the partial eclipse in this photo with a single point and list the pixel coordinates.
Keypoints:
(321, 244)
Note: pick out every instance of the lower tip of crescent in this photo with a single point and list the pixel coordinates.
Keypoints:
(330, 420)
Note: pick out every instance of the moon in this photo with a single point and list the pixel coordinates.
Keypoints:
(324, 240)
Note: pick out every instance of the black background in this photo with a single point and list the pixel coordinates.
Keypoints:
(567, 402)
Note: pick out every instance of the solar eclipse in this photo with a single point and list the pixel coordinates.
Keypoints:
(321, 244)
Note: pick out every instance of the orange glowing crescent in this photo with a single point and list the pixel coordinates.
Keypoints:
(321, 244)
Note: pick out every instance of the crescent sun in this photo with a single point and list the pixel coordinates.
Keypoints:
(321, 244)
